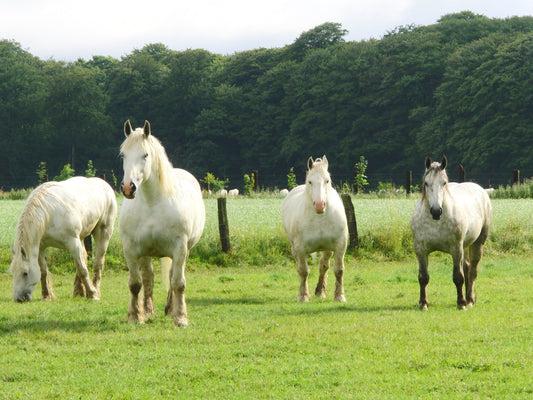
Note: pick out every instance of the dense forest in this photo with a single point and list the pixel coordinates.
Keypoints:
(461, 87)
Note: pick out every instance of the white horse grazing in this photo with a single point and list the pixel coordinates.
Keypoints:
(62, 214)
(233, 192)
(450, 217)
(163, 215)
(314, 220)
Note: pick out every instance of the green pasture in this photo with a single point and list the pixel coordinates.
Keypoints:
(249, 338)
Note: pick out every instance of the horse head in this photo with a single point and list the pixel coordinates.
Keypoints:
(317, 182)
(135, 153)
(26, 274)
(434, 185)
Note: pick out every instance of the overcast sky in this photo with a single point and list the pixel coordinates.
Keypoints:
(70, 29)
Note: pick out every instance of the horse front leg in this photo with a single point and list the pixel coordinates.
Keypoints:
(47, 293)
(476, 251)
(458, 276)
(303, 272)
(176, 305)
(423, 279)
(320, 290)
(339, 274)
(147, 273)
(135, 310)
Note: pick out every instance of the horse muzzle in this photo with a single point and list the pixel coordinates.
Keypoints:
(320, 206)
(23, 298)
(128, 190)
(436, 212)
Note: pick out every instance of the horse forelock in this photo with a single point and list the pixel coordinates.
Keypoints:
(161, 164)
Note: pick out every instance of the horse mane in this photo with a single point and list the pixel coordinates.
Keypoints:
(35, 215)
(162, 165)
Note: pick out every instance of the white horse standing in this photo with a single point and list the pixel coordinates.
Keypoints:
(62, 214)
(314, 220)
(163, 215)
(452, 218)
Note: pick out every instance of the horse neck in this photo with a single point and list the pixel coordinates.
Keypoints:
(158, 184)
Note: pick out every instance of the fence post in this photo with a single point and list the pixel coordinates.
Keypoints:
(516, 176)
(223, 227)
(352, 223)
(408, 181)
(461, 173)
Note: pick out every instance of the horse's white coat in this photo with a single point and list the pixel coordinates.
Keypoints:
(62, 214)
(314, 220)
(164, 216)
(450, 217)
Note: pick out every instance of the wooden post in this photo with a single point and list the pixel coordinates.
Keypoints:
(255, 177)
(223, 227)
(352, 223)
(516, 176)
(408, 181)
(461, 173)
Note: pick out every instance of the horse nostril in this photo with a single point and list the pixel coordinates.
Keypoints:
(436, 212)
(128, 190)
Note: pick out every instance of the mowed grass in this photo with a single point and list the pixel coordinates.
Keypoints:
(249, 338)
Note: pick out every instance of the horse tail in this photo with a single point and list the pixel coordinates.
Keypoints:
(166, 264)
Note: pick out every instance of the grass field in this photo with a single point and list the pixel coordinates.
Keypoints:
(249, 338)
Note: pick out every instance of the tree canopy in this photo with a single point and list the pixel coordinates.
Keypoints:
(461, 87)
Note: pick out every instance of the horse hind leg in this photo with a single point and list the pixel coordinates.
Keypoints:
(78, 252)
(101, 242)
(320, 290)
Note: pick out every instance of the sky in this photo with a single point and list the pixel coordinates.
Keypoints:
(66, 30)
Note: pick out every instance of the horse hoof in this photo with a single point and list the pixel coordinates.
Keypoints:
(181, 322)
(136, 318)
(423, 307)
(341, 299)
(303, 299)
(461, 307)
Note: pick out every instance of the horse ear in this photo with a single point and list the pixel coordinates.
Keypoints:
(127, 128)
(325, 161)
(147, 128)
(428, 162)
(310, 163)
(443, 162)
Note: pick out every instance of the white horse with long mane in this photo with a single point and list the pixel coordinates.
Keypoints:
(454, 218)
(163, 215)
(314, 220)
(62, 214)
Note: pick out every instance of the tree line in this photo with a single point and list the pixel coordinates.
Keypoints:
(461, 87)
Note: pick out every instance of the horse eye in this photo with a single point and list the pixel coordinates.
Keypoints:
(310, 182)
